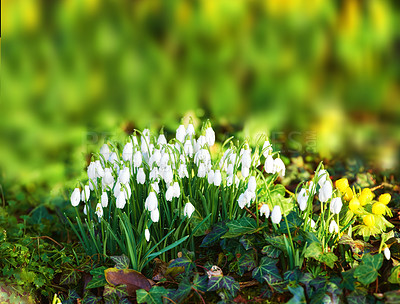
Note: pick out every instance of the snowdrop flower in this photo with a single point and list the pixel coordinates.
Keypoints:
(105, 151)
(311, 188)
(151, 202)
(302, 198)
(267, 149)
(269, 164)
(155, 187)
(229, 180)
(333, 227)
(119, 188)
(276, 215)
(141, 176)
(104, 199)
(99, 210)
(121, 200)
(182, 171)
(249, 196)
(325, 192)
(229, 170)
(246, 157)
(147, 234)
(169, 194)
(210, 136)
(190, 130)
(127, 152)
(322, 175)
(217, 178)
(155, 157)
(154, 174)
(242, 201)
(188, 148)
(252, 184)
(161, 140)
(124, 176)
(99, 169)
(264, 210)
(245, 171)
(167, 174)
(85, 194)
(137, 159)
(202, 171)
(201, 142)
(91, 171)
(108, 178)
(210, 177)
(180, 133)
(312, 223)
(279, 166)
(188, 210)
(336, 205)
(75, 197)
(84, 210)
(386, 252)
(146, 136)
(177, 190)
(155, 215)
(113, 158)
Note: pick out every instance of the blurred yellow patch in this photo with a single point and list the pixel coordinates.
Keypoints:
(385, 198)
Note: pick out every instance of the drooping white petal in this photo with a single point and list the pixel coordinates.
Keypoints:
(276, 215)
(75, 197)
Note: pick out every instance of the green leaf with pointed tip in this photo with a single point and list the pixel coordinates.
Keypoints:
(298, 295)
(200, 282)
(348, 279)
(247, 241)
(70, 276)
(367, 271)
(314, 250)
(99, 279)
(394, 277)
(267, 271)
(358, 296)
(90, 298)
(121, 261)
(215, 235)
(186, 261)
(246, 263)
(223, 282)
(294, 222)
(245, 225)
(154, 296)
(271, 251)
(182, 292)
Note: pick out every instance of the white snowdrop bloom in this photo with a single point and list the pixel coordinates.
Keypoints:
(386, 252)
(188, 148)
(121, 200)
(276, 215)
(137, 159)
(333, 227)
(325, 192)
(105, 151)
(202, 170)
(217, 178)
(91, 171)
(168, 174)
(267, 148)
(161, 140)
(249, 196)
(154, 174)
(180, 133)
(246, 158)
(108, 178)
(147, 234)
(182, 171)
(252, 184)
(336, 205)
(124, 176)
(223, 161)
(210, 136)
(134, 141)
(237, 181)
(75, 197)
(99, 210)
(99, 169)
(202, 156)
(312, 223)
(151, 202)
(264, 210)
(141, 176)
(311, 188)
(119, 188)
(146, 135)
(245, 171)
(155, 187)
(85, 210)
(127, 152)
(155, 215)
(302, 198)
(85, 194)
(229, 180)
(242, 201)
(104, 199)
(164, 159)
(269, 165)
(113, 158)
(229, 170)
(232, 158)
(279, 166)
(201, 142)
(190, 130)
(322, 175)
(169, 194)
(188, 209)
(177, 189)
(210, 177)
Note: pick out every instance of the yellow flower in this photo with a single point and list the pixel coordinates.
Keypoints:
(354, 204)
(385, 198)
(348, 195)
(369, 220)
(342, 184)
(367, 194)
(378, 208)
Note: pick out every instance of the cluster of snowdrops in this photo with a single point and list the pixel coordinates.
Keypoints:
(149, 197)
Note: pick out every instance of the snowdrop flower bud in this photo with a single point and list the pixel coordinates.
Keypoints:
(161, 140)
(75, 197)
(127, 152)
(229, 180)
(325, 192)
(386, 252)
(177, 190)
(202, 170)
(311, 188)
(267, 149)
(147, 234)
(312, 223)
(99, 210)
(276, 215)
(151, 202)
(169, 194)
(168, 175)
(124, 175)
(137, 159)
(242, 201)
(264, 210)
(154, 174)
(155, 215)
(252, 185)
(85, 194)
(181, 133)
(182, 171)
(302, 198)
(210, 177)
(210, 136)
(188, 148)
(105, 151)
(245, 171)
(269, 164)
(188, 210)
(333, 227)
(201, 142)
(279, 166)
(84, 210)
(104, 199)
(121, 200)
(99, 169)
(141, 176)
(217, 178)
(246, 157)
(155, 157)
(322, 175)
(108, 178)
(229, 170)
(190, 130)
(336, 205)
(91, 171)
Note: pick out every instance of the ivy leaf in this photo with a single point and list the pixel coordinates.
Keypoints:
(182, 292)
(99, 279)
(200, 283)
(121, 261)
(223, 282)
(71, 297)
(215, 235)
(153, 296)
(271, 251)
(245, 225)
(294, 222)
(119, 290)
(90, 298)
(394, 277)
(358, 296)
(314, 250)
(246, 263)
(298, 295)
(247, 241)
(348, 279)
(267, 271)
(186, 261)
(293, 275)
(70, 276)
(367, 271)
(277, 241)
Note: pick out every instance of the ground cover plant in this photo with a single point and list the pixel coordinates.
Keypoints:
(194, 220)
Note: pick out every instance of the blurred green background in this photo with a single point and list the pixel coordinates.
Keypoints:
(320, 77)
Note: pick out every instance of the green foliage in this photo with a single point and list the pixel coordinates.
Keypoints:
(267, 271)
(367, 271)
(240, 227)
(314, 250)
(153, 296)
